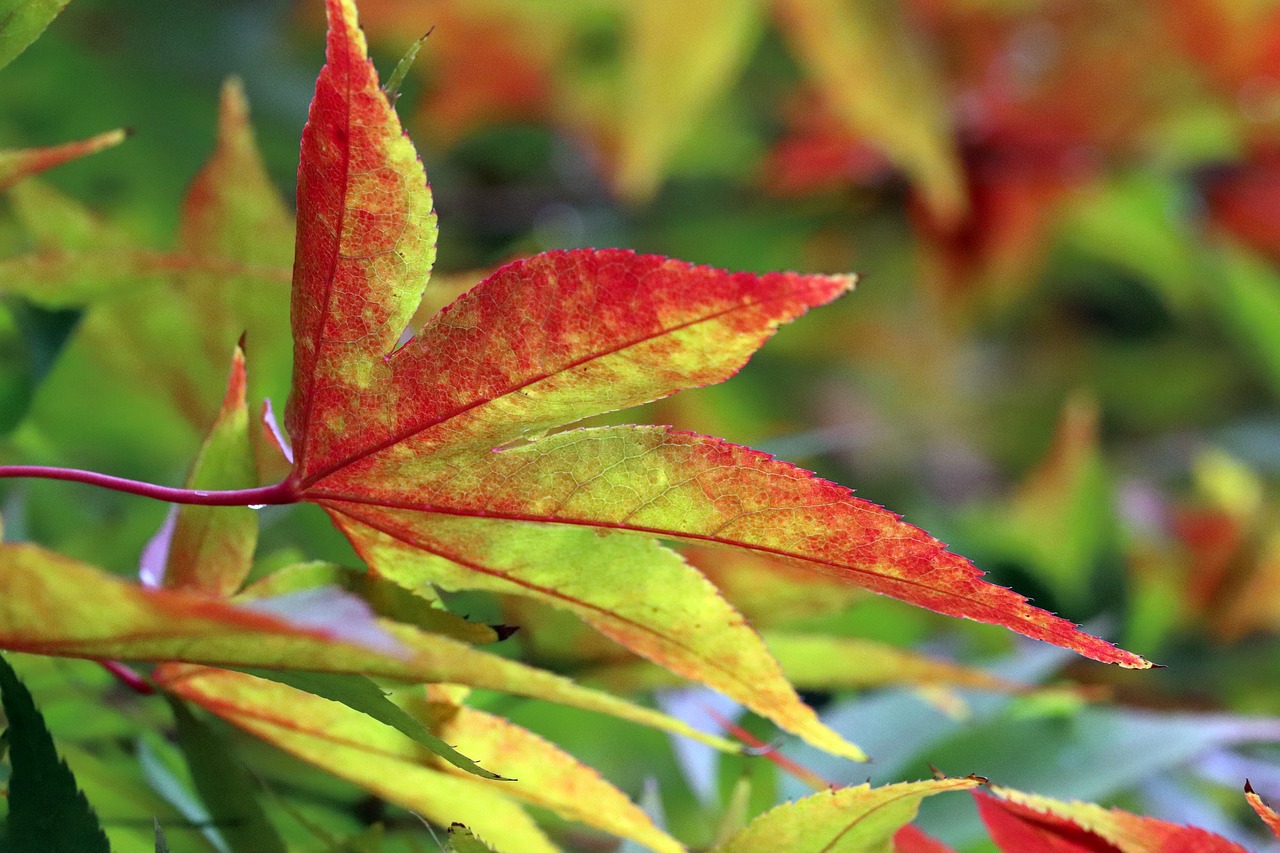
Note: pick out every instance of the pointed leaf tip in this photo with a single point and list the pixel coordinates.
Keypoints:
(47, 811)
(392, 87)
(1264, 811)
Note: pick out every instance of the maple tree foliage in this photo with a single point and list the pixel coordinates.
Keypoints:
(450, 460)
(433, 458)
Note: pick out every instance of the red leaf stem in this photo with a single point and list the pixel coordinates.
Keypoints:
(278, 493)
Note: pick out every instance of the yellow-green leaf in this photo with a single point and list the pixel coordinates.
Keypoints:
(99, 616)
(677, 58)
(858, 819)
(361, 750)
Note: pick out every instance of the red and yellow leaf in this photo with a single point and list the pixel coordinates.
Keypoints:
(652, 603)
(1020, 822)
(16, 164)
(334, 737)
(153, 343)
(432, 456)
(1268, 814)
(364, 247)
(679, 485)
(54, 605)
(211, 550)
(359, 749)
(548, 777)
(844, 820)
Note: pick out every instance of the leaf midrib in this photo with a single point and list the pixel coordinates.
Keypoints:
(318, 336)
(1001, 615)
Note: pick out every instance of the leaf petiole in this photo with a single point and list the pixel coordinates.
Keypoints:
(279, 493)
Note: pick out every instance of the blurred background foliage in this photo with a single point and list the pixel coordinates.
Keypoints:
(1063, 358)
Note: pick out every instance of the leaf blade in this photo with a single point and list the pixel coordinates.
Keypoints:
(653, 604)
(353, 746)
(47, 811)
(659, 482)
(22, 24)
(16, 164)
(366, 233)
(211, 549)
(102, 617)
(564, 336)
(1016, 820)
(361, 694)
(846, 819)
(225, 786)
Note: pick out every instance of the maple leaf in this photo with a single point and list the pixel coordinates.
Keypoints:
(19, 163)
(1019, 822)
(146, 362)
(847, 819)
(433, 457)
(391, 765)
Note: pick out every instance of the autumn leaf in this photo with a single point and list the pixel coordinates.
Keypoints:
(387, 763)
(16, 164)
(152, 346)
(433, 456)
(210, 549)
(463, 840)
(101, 617)
(1268, 815)
(1019, 822)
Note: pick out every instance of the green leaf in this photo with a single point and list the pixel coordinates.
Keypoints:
(361, 694)
(22, 22)
(47, 811)
(162, 846)
(402, 70)
(463, 840)
(225, 786)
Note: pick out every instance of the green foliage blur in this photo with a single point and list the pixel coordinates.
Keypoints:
(1063, 358)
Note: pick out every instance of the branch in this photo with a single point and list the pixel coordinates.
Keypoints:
(279, 493)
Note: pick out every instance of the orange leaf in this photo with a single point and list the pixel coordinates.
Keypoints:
(1268, 815)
